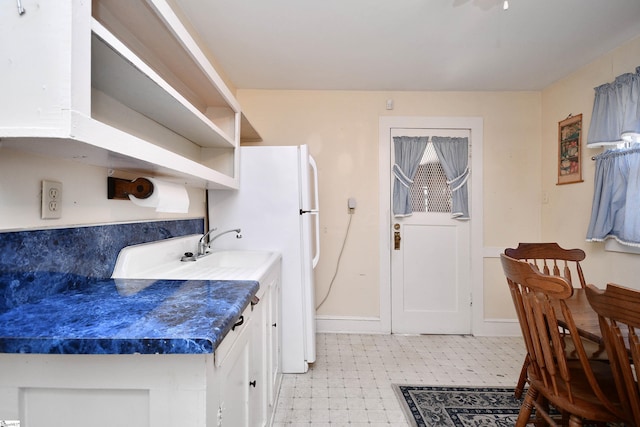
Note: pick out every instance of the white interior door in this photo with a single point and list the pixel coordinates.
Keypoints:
(430, 253)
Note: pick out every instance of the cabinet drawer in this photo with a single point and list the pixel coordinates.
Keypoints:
(228, 343)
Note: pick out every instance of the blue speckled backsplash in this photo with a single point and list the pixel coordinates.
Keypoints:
(39, 263)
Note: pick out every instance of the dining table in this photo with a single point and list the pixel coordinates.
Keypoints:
(584, 317)
(586, 320)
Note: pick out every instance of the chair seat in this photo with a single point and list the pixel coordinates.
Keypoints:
(594, 350)
(586, 405)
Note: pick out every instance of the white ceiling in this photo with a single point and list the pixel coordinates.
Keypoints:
(412, 45)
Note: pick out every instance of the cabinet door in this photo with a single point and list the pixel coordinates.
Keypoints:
(78, 407)
(234, 396)
(39, 75)
(273, 350)
(258, 378)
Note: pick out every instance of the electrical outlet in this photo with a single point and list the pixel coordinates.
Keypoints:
(51, 199)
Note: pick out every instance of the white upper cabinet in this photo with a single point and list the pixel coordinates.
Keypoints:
(118, 84)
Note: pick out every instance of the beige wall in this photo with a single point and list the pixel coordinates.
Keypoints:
(84, 199)
(341, 128)
(566, 217)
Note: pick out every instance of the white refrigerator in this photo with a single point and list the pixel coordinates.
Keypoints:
(277, 209)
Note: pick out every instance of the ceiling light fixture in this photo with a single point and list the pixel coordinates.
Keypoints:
(505, 5)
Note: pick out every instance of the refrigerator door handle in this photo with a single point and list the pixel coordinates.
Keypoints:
(316, 211)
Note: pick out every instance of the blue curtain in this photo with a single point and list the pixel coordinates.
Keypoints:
(630, 99)
(616, 199)
(454, 157)
(408, 151)
(615, 110)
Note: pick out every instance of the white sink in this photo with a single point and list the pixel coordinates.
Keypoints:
(231, 259)
(161, 260)
(221, 265)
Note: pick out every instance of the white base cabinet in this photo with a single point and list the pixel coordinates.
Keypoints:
(251, 373)
(108, 390)
(237, 386)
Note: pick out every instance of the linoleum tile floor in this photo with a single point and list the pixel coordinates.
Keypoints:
(350, 383)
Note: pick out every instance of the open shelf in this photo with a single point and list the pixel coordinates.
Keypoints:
(123, 85)
(116, 71)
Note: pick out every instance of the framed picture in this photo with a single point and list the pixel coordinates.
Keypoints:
(570, 150)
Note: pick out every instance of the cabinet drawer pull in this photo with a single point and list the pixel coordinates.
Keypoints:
(274, 325)
(254, 301)
(238, 323)
(252, 383)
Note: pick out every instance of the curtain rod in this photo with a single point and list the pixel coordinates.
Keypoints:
(627, 149)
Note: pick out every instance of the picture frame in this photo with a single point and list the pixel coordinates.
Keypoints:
(570, 150)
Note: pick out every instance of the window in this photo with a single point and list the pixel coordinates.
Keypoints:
(430, 191)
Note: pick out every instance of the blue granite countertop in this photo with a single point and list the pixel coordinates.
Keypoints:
(127, 317)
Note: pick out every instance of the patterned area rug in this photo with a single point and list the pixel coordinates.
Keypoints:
(427, 406)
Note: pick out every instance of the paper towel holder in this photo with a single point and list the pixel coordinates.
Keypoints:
(120, 189)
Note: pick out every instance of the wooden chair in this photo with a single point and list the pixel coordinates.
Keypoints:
(618, 311)
(551, 259)
(581, 389)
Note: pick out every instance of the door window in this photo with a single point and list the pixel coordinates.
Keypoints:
(430, 191)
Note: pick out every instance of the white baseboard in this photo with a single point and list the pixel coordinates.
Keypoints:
(373, 325)
(350, 325)
(498, 328)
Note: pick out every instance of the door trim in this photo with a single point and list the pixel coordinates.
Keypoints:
(475, 125)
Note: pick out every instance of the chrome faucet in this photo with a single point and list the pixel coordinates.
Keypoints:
(202, 246)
